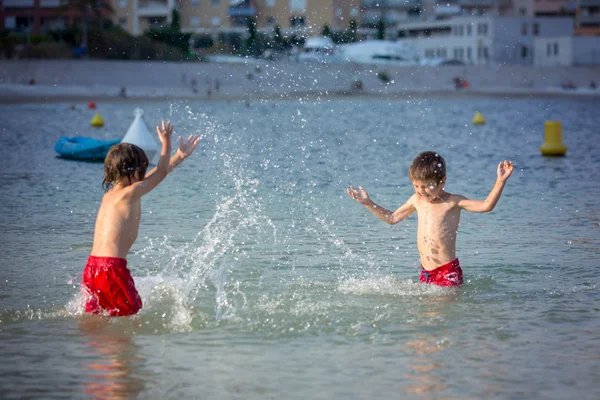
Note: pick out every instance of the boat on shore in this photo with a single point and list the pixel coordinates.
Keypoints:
(380, 52)
(83, 148)
(319, 49)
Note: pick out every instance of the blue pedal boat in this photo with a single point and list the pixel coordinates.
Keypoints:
(84, 148)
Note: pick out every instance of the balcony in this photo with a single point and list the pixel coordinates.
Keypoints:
(478, 3)
(242, 8)
(153, 8)
(390, 3)
(18, 3)
(587, 20)
(50, 3)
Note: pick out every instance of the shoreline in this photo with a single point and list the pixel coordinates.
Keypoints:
(16, 99)
(102, 80)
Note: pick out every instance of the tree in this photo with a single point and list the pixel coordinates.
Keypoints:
(353, 31)
(381, 29)
(85, 7)
(326, 31)
(251, 40)
(278, 38)
(175, 20)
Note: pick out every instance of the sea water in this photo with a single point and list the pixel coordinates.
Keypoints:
(262, 279)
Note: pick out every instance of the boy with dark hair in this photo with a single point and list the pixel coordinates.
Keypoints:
(438, 215)
(107, 283)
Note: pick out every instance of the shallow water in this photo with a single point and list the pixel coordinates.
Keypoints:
(261, 278)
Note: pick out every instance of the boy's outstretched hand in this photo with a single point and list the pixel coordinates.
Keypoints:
(186, 149)
(505, 168)
(359, 194)
(165, 133)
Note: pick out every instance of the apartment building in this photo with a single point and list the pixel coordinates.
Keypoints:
(587, 20)
(229, 16)
(302, 16)
(36, 16)
(483, 39)
(137, 16)
(391, 12)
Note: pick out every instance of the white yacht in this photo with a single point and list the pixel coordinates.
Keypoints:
(381, 52)
(318, 49)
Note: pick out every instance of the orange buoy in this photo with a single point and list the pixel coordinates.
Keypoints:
(91, 105)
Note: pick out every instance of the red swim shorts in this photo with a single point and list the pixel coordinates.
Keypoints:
(447, 275)
(110, 287)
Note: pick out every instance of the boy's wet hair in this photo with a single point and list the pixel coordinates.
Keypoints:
(428, 166)
(123, 161)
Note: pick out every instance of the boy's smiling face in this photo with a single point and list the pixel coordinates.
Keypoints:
(430, 191)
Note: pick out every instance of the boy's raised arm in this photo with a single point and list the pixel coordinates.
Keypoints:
(387, 216)
(184, 150)
(505, 169)
(150, 182)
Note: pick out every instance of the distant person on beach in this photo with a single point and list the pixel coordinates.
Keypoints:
(107, 284)
(438, 215)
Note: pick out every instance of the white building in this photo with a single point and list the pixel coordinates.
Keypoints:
(137, 16)
(482, 39)
(566, 51)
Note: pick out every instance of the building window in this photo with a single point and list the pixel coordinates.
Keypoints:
(484, 29)
(270, 3)
(485, 53)
(536, 29)
(469, 51)
(122, 21)
(522, 11)
(555, 49)
(123, 3)
(297, 6)
(469, 30)
(215, 3)
(524, 28)
(270, 20)
(194, 22)
(195, 2)
(296, 21)
(10, 22)
(215, 21)
(354, 12)
(523, 51)
(479, 53)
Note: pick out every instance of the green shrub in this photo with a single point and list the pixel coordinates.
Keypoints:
(47, 50)
(384, 77)
(37, 39)
(171, 37)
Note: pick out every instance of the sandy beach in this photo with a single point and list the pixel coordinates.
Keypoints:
(78, 80)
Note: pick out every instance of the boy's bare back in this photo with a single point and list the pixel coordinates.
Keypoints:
(118, 220)
(117, 223)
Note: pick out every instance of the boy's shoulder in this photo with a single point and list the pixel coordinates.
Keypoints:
(453, 198)
(117, 193)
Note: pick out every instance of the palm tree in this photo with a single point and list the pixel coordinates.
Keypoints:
(95, 7)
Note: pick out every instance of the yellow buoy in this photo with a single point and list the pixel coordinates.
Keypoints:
(553, 145)
(478, 119)
(97, 121)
